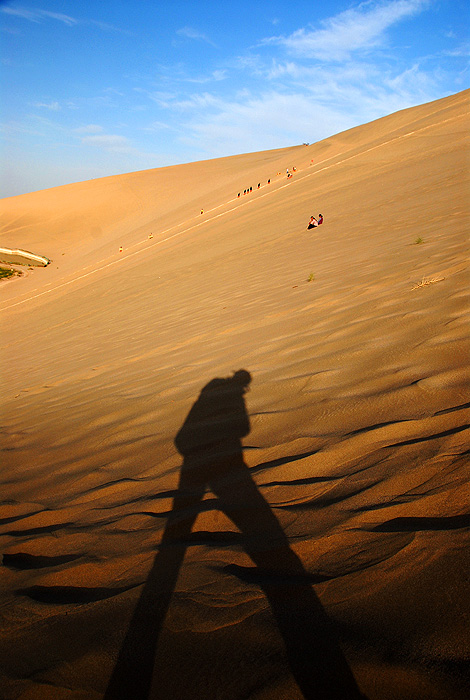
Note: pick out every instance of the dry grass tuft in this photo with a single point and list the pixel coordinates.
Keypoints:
(426, 281)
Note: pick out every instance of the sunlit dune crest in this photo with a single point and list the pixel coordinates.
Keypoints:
(235, 450)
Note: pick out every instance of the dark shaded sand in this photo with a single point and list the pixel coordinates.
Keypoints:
(299, 529)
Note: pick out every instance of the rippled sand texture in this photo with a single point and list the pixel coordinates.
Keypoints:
(337, 542)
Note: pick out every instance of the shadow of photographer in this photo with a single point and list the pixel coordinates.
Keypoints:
(210, 443)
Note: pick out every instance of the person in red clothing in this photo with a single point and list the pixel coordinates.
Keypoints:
(313, 223)
(320, 219)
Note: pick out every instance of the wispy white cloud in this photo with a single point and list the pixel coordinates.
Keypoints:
(22, 12)
(301, 98)
(158, 126)
(106, 27)
(462, 51)
(70, 21)
(313, 104)
(89, 129)
(160, 97)
(298, 87)
(270, 120)
(11, 128)
(215, 76)
(113, 91)
(333, 80)
(191, 33)
(111, 142)
(38, 15)
(96, 136)
(201, 101)
(10, 30)
(53, 106)
(357, 29)
(218, 75)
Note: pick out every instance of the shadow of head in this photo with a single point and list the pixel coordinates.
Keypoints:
(219, 415)
(242, 379)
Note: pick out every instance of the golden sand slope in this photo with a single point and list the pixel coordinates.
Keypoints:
(358, 410)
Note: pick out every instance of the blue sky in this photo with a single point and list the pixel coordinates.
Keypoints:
(91, 89)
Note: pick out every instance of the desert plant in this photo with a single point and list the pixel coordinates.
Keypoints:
(426, 281)
(419, 240)
(311, 277)
(7, 272)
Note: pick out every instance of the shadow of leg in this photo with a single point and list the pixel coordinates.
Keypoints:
(315, 657)
(132, 675)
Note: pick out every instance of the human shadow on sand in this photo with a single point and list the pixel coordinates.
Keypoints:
(210, 443)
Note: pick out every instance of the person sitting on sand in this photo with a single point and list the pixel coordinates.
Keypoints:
(320, 219)
(313, 223)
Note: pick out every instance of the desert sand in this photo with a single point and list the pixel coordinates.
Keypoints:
(298, 529)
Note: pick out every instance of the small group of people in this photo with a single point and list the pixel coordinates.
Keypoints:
(313, 223)
(250, 189)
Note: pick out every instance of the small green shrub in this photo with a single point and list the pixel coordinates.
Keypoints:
(6, 273)
(419, 240)
(311, 277)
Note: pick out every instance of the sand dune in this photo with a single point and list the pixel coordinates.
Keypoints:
(326, 558)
